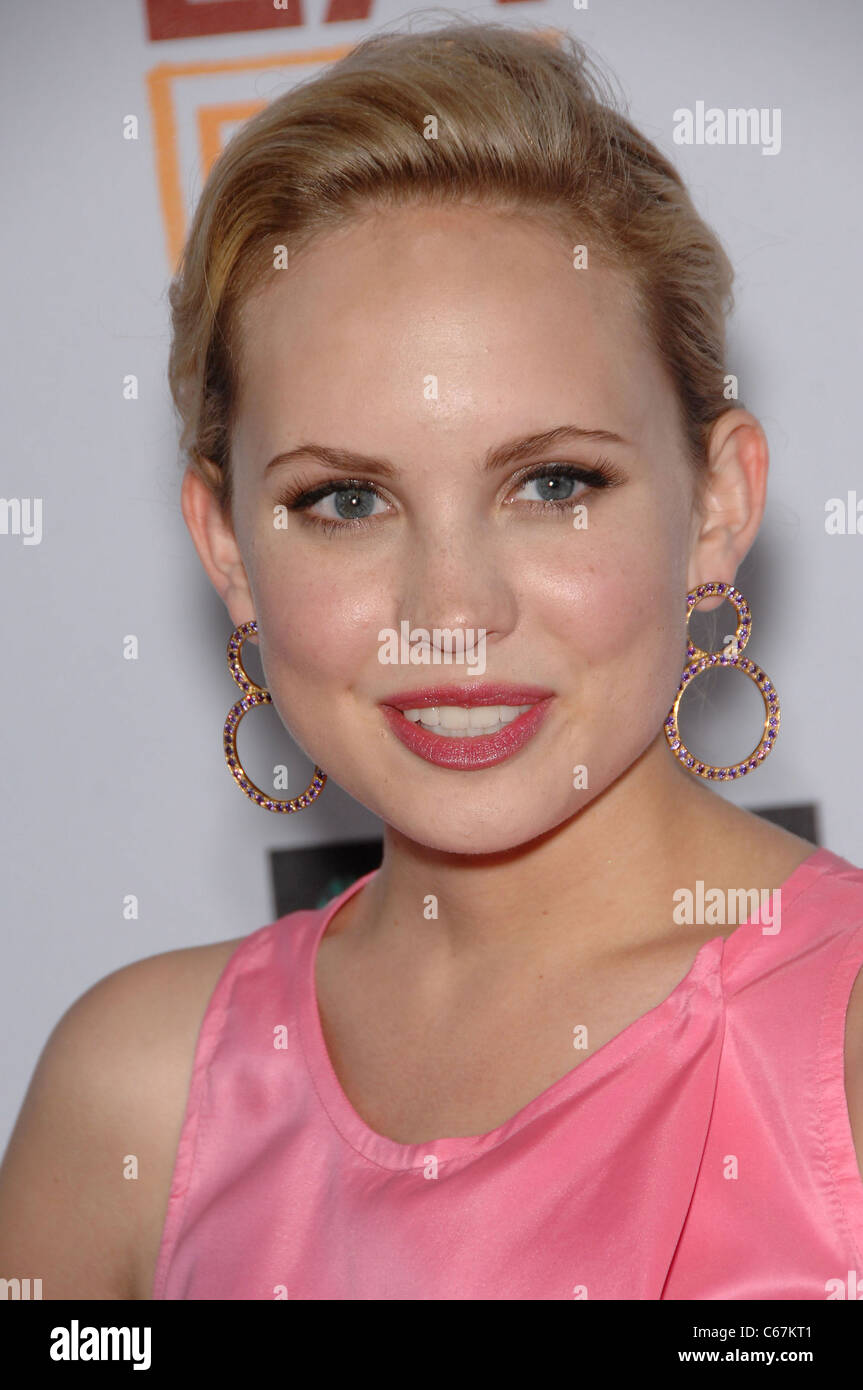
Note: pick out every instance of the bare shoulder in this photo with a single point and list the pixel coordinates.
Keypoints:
(854, 1065)
(84, 1184)
(758, 840)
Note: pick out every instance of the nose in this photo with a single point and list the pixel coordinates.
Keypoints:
(457, 580)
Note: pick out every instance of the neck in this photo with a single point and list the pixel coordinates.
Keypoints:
(602, 879)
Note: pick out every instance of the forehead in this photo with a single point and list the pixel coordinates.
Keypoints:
(476, 310)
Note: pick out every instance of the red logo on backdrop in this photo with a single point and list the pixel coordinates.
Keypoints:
(187, 19)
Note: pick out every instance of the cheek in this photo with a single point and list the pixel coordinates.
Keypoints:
(620, 626)
(316, 628)
(615, 607)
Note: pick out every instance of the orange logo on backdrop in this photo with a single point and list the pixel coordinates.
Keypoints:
(212, 120)
(179, 160)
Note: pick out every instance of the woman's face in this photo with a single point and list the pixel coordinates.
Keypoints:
(428, 339)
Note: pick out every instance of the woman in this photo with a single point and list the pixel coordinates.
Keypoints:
(449, 356)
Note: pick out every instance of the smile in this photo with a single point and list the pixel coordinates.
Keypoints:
(463, 721)
(466, 737)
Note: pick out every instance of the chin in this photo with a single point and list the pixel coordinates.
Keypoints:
(476, 833)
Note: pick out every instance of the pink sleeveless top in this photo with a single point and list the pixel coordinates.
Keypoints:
(705, 1152)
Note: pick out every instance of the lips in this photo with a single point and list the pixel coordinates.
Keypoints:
(468, 694)
(468, 754)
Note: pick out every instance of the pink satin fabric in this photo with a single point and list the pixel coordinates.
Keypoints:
(703, 1153)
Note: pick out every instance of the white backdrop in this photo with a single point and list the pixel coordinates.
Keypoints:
(113, 776)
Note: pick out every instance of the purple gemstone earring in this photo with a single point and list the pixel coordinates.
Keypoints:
(698, 661)
(256, 695)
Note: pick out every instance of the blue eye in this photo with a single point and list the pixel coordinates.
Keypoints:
(557, 483)
(349, 512)
(352, 502)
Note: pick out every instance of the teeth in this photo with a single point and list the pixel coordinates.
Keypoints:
(463, 721)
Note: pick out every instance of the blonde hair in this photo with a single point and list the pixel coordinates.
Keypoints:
(525, 123)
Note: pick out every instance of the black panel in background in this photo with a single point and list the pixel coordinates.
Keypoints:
(800, 820)
(312, 876)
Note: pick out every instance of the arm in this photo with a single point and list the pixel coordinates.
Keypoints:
(107, 1096)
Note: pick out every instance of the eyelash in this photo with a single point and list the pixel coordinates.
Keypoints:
(602, 474)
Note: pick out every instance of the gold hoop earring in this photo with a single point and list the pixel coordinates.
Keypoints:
(699, 661)
(256, 695)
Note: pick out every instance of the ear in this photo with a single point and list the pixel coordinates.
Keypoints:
(732, 496)
(213, 535)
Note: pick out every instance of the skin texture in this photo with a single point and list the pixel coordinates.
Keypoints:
(554, 903)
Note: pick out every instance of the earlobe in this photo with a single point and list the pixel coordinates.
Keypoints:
(216, 544)
(734, 493)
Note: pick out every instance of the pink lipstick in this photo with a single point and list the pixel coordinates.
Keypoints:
(477, 751)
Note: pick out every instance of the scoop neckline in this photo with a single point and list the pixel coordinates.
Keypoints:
(390, 1153)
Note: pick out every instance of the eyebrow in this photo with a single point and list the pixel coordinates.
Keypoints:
(348, 461)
